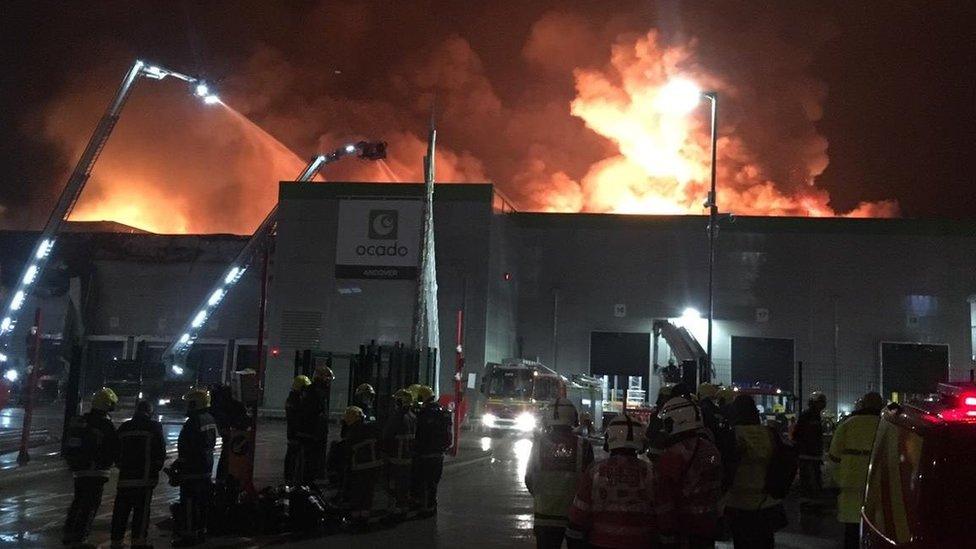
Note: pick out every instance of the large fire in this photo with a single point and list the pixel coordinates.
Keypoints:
(643, 147)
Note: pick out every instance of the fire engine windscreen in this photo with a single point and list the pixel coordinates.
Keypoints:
(522, 384)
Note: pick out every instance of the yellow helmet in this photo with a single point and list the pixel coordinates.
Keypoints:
(707, 390)
(104, 400)
(365, 390)
(413, 390)
(197, 399)
(424, 393)
(300, 383)
(353, 415)
(404, 397)
(323, 372)
(724, 395)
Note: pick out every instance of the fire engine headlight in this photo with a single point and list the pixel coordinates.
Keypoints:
(11, 375)
(488, 420)
(525, 422)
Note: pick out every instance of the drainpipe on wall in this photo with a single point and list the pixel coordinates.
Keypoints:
(555, 329)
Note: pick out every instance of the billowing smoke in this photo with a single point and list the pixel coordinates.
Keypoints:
(578, 122)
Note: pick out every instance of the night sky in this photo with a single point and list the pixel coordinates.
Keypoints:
(894, 80)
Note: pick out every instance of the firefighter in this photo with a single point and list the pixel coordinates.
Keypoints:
(808, 437)
(230, 416)
(292, 419)
(558, 458)
(142, 451)
(614, 503)
(654, 435)
(850, 449)
(90, 447)
(434, 437)
(313, 428)
(398, 448)
(753, 515)
(363, 466)
(688, 478)
(195, 454)
(365, 397)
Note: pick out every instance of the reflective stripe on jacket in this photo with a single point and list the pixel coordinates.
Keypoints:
(195, 446)
(555, 464)
(851, 450)
(398, 437)
(753, 452)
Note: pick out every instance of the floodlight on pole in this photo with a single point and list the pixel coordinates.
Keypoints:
(680, 96)
(41, 252)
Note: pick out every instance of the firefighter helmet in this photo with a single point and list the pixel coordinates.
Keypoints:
(817, 396)
(353, 415)
(300, 382)
(561, 412)
(724, 396)
(413, 390)
(424, 393)
(680, 415)
(365, 390)
(403, 397)
(707, 390)
(197, 399)
(104, 400)
(625, 432)
(324, 373)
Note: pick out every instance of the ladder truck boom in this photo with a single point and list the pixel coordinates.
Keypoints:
(40, 253)
(175, 355)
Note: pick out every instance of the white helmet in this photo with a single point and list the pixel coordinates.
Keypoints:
(680, 415)
(561, 412)
(625, 432)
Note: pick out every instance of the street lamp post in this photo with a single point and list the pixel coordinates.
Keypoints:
(712, 206)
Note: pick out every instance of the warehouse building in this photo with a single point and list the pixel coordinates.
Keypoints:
(864, 304)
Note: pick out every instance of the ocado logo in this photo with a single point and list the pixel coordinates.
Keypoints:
(393, 249)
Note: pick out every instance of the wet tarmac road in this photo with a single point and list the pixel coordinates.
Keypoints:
(483, 503)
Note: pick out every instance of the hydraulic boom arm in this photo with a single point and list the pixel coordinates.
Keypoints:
(175, 355)
(76, 183)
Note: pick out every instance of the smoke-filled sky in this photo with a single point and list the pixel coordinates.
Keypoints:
(847, 108)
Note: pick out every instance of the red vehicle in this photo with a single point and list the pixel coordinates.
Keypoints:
(514, 393)
(922, 479)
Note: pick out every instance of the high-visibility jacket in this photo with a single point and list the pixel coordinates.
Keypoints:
(753, 452)
(850, 449)
(142, 451)
(614, 504)
(195, 447)
(688, 484)
(555, 464)
(398, 437)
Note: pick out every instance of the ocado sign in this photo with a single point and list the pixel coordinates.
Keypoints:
(379, 251)
(378, 239)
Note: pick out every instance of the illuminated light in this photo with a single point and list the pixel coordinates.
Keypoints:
(184, 338)
(155, 72)
(30, 275)
(18, 300)
(140, 395)
(202, 90)
(44, 248)
(231, 275)
(525, 422)
(3, 357)
(970, 401)
(485, 444)
(489, 420)
(216, 297)
(162, 402)
(350, 149)
(5, 324)
(211, 100)
(779, 391)
(678, 96)
(690, 313)
(198, 320)
(275, 351)
(177, 370)
(11, 375)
